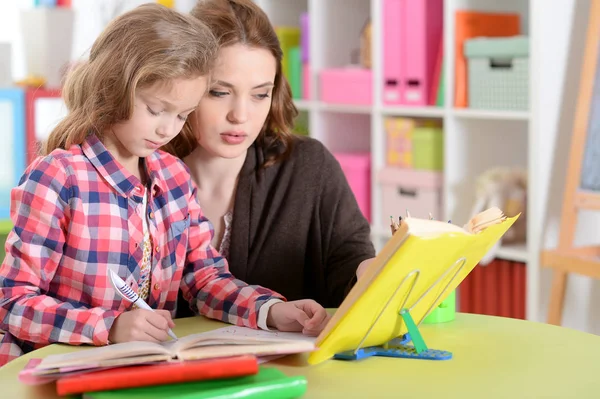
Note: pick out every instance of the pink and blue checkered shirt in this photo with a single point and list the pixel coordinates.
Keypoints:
(76, 214)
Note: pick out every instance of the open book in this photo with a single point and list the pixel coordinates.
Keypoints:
(224, 342)
(423, 262)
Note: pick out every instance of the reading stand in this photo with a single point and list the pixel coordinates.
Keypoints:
(398, 347)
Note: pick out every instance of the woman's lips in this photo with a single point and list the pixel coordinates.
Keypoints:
(233, 137)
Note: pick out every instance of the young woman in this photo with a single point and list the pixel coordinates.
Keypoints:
(102, 198)
(283, 213)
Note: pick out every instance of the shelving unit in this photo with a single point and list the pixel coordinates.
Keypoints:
(475, 140)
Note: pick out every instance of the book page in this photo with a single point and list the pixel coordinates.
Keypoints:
(104, 353)
(234, 335)
(429, 228)
(266, 348)
(236, 331)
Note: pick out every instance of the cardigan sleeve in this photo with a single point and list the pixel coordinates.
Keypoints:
(345, 230)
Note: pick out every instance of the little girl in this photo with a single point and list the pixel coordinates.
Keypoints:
(103, 198)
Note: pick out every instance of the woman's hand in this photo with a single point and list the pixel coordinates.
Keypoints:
(304, 315)
(141, 325)
(363, 266)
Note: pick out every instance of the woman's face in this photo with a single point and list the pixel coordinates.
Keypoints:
(231, 115)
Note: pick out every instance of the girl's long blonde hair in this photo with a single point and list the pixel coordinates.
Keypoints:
(147, 45)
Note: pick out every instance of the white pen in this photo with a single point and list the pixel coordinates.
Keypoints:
(127, 293)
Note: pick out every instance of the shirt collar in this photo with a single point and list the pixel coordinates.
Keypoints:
(115, 174)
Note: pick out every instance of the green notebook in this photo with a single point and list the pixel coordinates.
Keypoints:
(269, 383)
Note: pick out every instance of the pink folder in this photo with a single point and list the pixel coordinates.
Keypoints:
(413, 32)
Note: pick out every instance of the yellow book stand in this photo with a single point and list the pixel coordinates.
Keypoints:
(413, 273)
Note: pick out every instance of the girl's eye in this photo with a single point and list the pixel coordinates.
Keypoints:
(216, 93)
(182, 118)
(262, 96)
(152, 112)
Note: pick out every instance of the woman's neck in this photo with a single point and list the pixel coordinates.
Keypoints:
(212, 172)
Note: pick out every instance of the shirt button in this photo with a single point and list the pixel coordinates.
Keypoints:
(136, 244)
(151, 215)
(157, 286)
(157, 249)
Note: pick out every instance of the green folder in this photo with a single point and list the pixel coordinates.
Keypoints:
(441, 89)
(269, 383)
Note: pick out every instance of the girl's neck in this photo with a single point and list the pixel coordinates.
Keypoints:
(210, 171)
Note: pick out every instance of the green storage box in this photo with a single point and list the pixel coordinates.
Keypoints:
(428, 148)
(289, 37)
(295, 72)
(5, 228)
(498, 72)
(445, 312)
(301, 124)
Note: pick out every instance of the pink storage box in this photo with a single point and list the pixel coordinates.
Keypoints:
(418, 191)
(357, 168)
(347, 86)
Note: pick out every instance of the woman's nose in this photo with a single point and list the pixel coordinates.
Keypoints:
(239, 112)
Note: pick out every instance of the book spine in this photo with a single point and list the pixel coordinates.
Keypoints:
(160, 374)
(281, 388)
(285, 388)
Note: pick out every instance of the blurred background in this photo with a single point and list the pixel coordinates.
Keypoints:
(441, 107)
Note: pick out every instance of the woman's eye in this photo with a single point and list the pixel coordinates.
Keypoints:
(182, 118)
(262, 96)
(216, 93)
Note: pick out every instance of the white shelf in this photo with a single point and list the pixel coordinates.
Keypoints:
(343, 108)
(490, 114)
(380, 233)
(433, 112)
(516, 253)
(303, 105)
(475, 141)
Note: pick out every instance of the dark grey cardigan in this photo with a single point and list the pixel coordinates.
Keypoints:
(297, 228)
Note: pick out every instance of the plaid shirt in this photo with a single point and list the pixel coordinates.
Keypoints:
(76, 214)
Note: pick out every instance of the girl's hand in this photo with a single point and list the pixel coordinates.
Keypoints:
(141, 325)
(304, 315)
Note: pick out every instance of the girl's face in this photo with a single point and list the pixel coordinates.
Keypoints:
(158, 116)
(232, 114)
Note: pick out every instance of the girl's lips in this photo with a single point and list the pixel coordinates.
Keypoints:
(153, 145)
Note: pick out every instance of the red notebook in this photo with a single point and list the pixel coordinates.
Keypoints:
(159, 374)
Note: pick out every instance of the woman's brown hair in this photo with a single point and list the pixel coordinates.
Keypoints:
(243, 22)
(147, 45)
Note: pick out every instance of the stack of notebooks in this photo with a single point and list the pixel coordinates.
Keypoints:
(220, 364)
